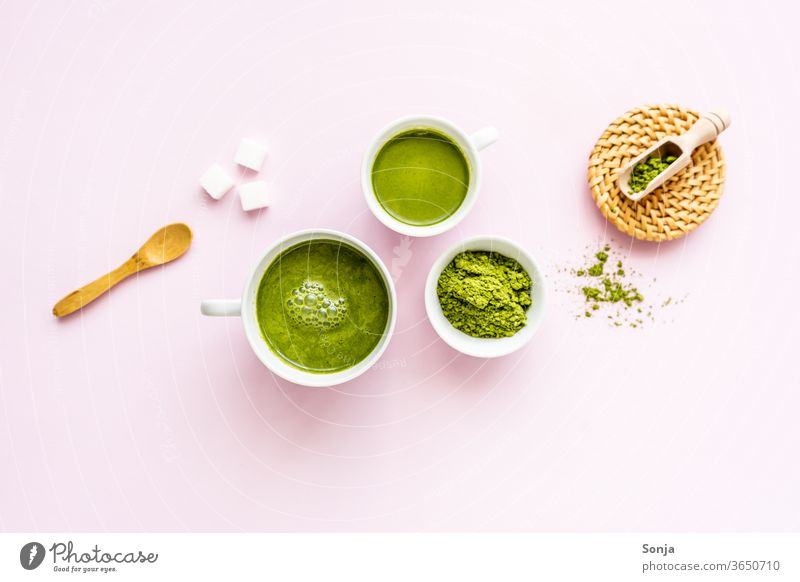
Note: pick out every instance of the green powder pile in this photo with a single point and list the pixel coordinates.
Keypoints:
(603, 289)
(645, 172)
(485, 294)
(606, 284)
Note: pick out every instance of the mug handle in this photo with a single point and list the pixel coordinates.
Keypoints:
(221, 307)
(485, 137)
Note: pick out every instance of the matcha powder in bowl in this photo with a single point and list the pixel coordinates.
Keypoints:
(485, 294)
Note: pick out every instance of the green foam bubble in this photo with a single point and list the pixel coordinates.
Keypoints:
(310, 305)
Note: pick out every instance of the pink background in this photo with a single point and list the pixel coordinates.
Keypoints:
(140, 414)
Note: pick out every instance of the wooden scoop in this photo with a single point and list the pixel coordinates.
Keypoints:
(167, 244)
(704, 130)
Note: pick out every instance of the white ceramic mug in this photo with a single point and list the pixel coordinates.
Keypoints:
(246, 309)
(469, 144)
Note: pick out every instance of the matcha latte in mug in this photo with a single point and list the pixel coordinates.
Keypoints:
(318, 309)
(421, 174)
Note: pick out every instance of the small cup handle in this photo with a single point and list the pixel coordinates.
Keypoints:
(484, 138)
(221, 307)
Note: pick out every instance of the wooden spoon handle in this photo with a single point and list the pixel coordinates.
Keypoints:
(705, 129)
(95, 289)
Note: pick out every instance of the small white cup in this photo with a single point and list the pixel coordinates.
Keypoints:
(486, 347)
(469, 144)
(246, 309)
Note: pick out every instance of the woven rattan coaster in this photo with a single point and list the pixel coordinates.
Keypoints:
(682, 203)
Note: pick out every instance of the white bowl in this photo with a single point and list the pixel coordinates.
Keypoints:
(246, 309)
(486, 347)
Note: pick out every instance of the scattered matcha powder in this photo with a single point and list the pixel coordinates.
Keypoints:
(606, 288)
(609, 287)
(645, 172)
(485, 294)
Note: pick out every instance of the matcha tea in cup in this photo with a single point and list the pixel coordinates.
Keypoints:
(318, 308)
(322, 306)
(421, 175)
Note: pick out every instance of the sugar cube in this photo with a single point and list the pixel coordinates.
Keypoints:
(254, 195)
(251, 154)
(216, 181)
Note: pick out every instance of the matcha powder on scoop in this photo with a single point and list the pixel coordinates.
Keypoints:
(485, 294)
(647, 171)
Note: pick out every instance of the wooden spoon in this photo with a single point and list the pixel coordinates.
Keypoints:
(167, 244)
